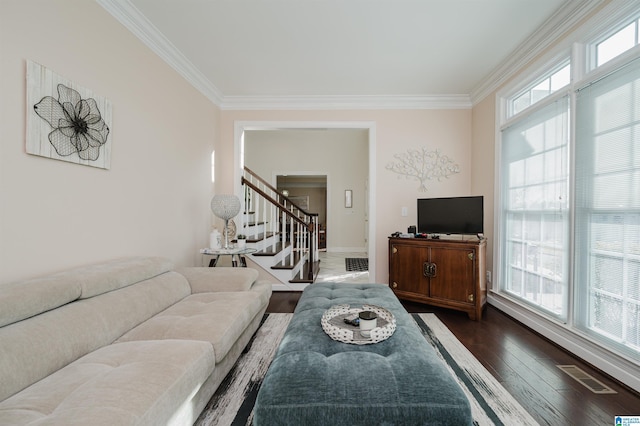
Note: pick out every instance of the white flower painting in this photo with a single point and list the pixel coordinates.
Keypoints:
(66, 122)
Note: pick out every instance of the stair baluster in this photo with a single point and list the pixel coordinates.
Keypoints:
(289, 228)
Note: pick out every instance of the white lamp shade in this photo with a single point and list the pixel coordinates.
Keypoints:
(225, 206)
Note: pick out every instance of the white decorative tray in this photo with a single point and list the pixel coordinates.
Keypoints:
(333, 324)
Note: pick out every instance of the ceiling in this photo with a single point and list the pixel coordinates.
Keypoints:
(270, 50)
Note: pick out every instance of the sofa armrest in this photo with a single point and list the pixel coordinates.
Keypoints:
(207, 280)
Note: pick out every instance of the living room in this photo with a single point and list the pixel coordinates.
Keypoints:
(154, 199)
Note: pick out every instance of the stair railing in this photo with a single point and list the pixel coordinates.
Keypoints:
(281, 216)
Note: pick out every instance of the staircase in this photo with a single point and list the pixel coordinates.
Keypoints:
(285, 236)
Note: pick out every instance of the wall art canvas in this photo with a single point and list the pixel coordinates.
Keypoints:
(66, 121)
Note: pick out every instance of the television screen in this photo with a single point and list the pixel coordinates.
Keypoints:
(452, 215)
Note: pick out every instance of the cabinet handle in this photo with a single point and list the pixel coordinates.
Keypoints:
(470, 256)
(394, 285)
(470, 298)
(394, 250)
(429, 269)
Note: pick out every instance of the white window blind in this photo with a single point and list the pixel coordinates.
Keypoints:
(535, 215)
(607, 256)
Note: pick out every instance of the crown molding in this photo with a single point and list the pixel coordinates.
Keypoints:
(563, 21)
(345, 102)
(129, 16)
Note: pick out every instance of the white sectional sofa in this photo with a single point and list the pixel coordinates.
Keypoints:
(127, 342)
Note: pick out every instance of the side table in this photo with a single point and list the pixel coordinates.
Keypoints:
(237, 255)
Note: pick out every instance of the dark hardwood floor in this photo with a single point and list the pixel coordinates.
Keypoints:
(525, 364)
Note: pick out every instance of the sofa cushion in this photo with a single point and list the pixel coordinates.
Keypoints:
(133, 383)
(24, 299)
(32, 349)
(21, 300)
(218, 318)
(205, 280)
(108, 276)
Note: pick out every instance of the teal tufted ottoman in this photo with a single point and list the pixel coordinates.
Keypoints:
(314, 380)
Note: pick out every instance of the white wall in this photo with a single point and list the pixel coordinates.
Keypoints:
(155, 198)
(341, 154)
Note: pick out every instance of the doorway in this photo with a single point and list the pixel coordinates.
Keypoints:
(309, 192)
(368, 184)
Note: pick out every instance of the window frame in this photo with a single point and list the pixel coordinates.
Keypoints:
(544, 75)
(581, 319)
(591, 45)
(500, 209)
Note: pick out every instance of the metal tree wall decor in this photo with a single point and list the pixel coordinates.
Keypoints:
(423, 165)
(65, 121)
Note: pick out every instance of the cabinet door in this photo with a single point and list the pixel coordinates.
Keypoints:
(454, 278)
(405, 269)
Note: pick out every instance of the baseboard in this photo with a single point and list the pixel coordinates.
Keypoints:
(619, 368)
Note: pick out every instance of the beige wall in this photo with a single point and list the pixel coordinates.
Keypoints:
(484, 133)
(155, 198)
(340, 154)
(395, 132)
(483, 165)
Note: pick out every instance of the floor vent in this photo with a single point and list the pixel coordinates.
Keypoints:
(590, 382)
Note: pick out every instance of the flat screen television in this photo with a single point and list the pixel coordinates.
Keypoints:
(451, 215)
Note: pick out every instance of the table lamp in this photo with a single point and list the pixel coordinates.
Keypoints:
(225, 207)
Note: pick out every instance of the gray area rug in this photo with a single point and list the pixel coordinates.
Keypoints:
(491, 404)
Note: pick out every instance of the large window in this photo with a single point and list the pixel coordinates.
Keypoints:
(535, 208)
(569, 201)
(608, 207)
